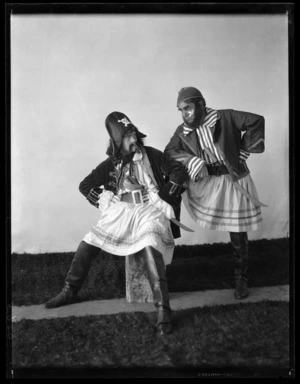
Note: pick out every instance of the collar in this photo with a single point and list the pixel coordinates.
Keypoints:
(209, 121)
(138, 155)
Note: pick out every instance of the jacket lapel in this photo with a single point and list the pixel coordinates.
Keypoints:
(216, 129)
(148, 167)
(191, 141)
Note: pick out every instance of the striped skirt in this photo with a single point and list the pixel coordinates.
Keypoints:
(214, 203)
(124, 229)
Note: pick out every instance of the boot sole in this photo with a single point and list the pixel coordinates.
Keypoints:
(239, 297)
(50, 306)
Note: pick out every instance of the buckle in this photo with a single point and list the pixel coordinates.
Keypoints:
(137, 197)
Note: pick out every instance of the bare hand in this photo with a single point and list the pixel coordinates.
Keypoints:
(203, 172)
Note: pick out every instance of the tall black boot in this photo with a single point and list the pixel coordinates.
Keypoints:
(77, 273)
(156, 272)
(239, 242)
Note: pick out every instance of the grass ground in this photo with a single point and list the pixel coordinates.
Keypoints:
(36, 278)
(244, 340)
(230, 338)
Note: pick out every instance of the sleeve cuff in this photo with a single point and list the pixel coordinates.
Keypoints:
(244, 155)
(194, 166)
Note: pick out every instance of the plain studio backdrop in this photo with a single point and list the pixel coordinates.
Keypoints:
(69, 72)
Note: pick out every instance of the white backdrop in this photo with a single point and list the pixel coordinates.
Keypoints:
(69, 72)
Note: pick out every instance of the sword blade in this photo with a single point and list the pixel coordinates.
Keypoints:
(181, 225)
(245, 193)
(236, 184)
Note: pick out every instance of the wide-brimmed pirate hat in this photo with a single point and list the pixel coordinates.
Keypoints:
(117, 124)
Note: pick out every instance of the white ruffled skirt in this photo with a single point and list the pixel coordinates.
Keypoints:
(214, 203)
(125, 228)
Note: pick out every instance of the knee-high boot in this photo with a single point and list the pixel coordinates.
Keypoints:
(76, 275)
(239, 242)
(156, 272)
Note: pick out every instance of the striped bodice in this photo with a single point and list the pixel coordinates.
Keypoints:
(205, 138)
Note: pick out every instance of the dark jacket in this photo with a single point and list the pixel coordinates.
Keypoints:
(104, 174)
(234, 131)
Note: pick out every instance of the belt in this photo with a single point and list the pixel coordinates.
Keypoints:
(217, 170)
(133, 197)
(136, 198)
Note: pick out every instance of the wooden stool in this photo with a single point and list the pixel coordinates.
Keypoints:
(138, 289)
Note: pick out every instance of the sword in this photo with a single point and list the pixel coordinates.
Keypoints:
(245, 193)
(181, 225)
(235, 183)
(159, 203)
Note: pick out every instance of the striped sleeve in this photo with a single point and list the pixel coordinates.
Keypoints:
(244, 155)
(194, 166)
